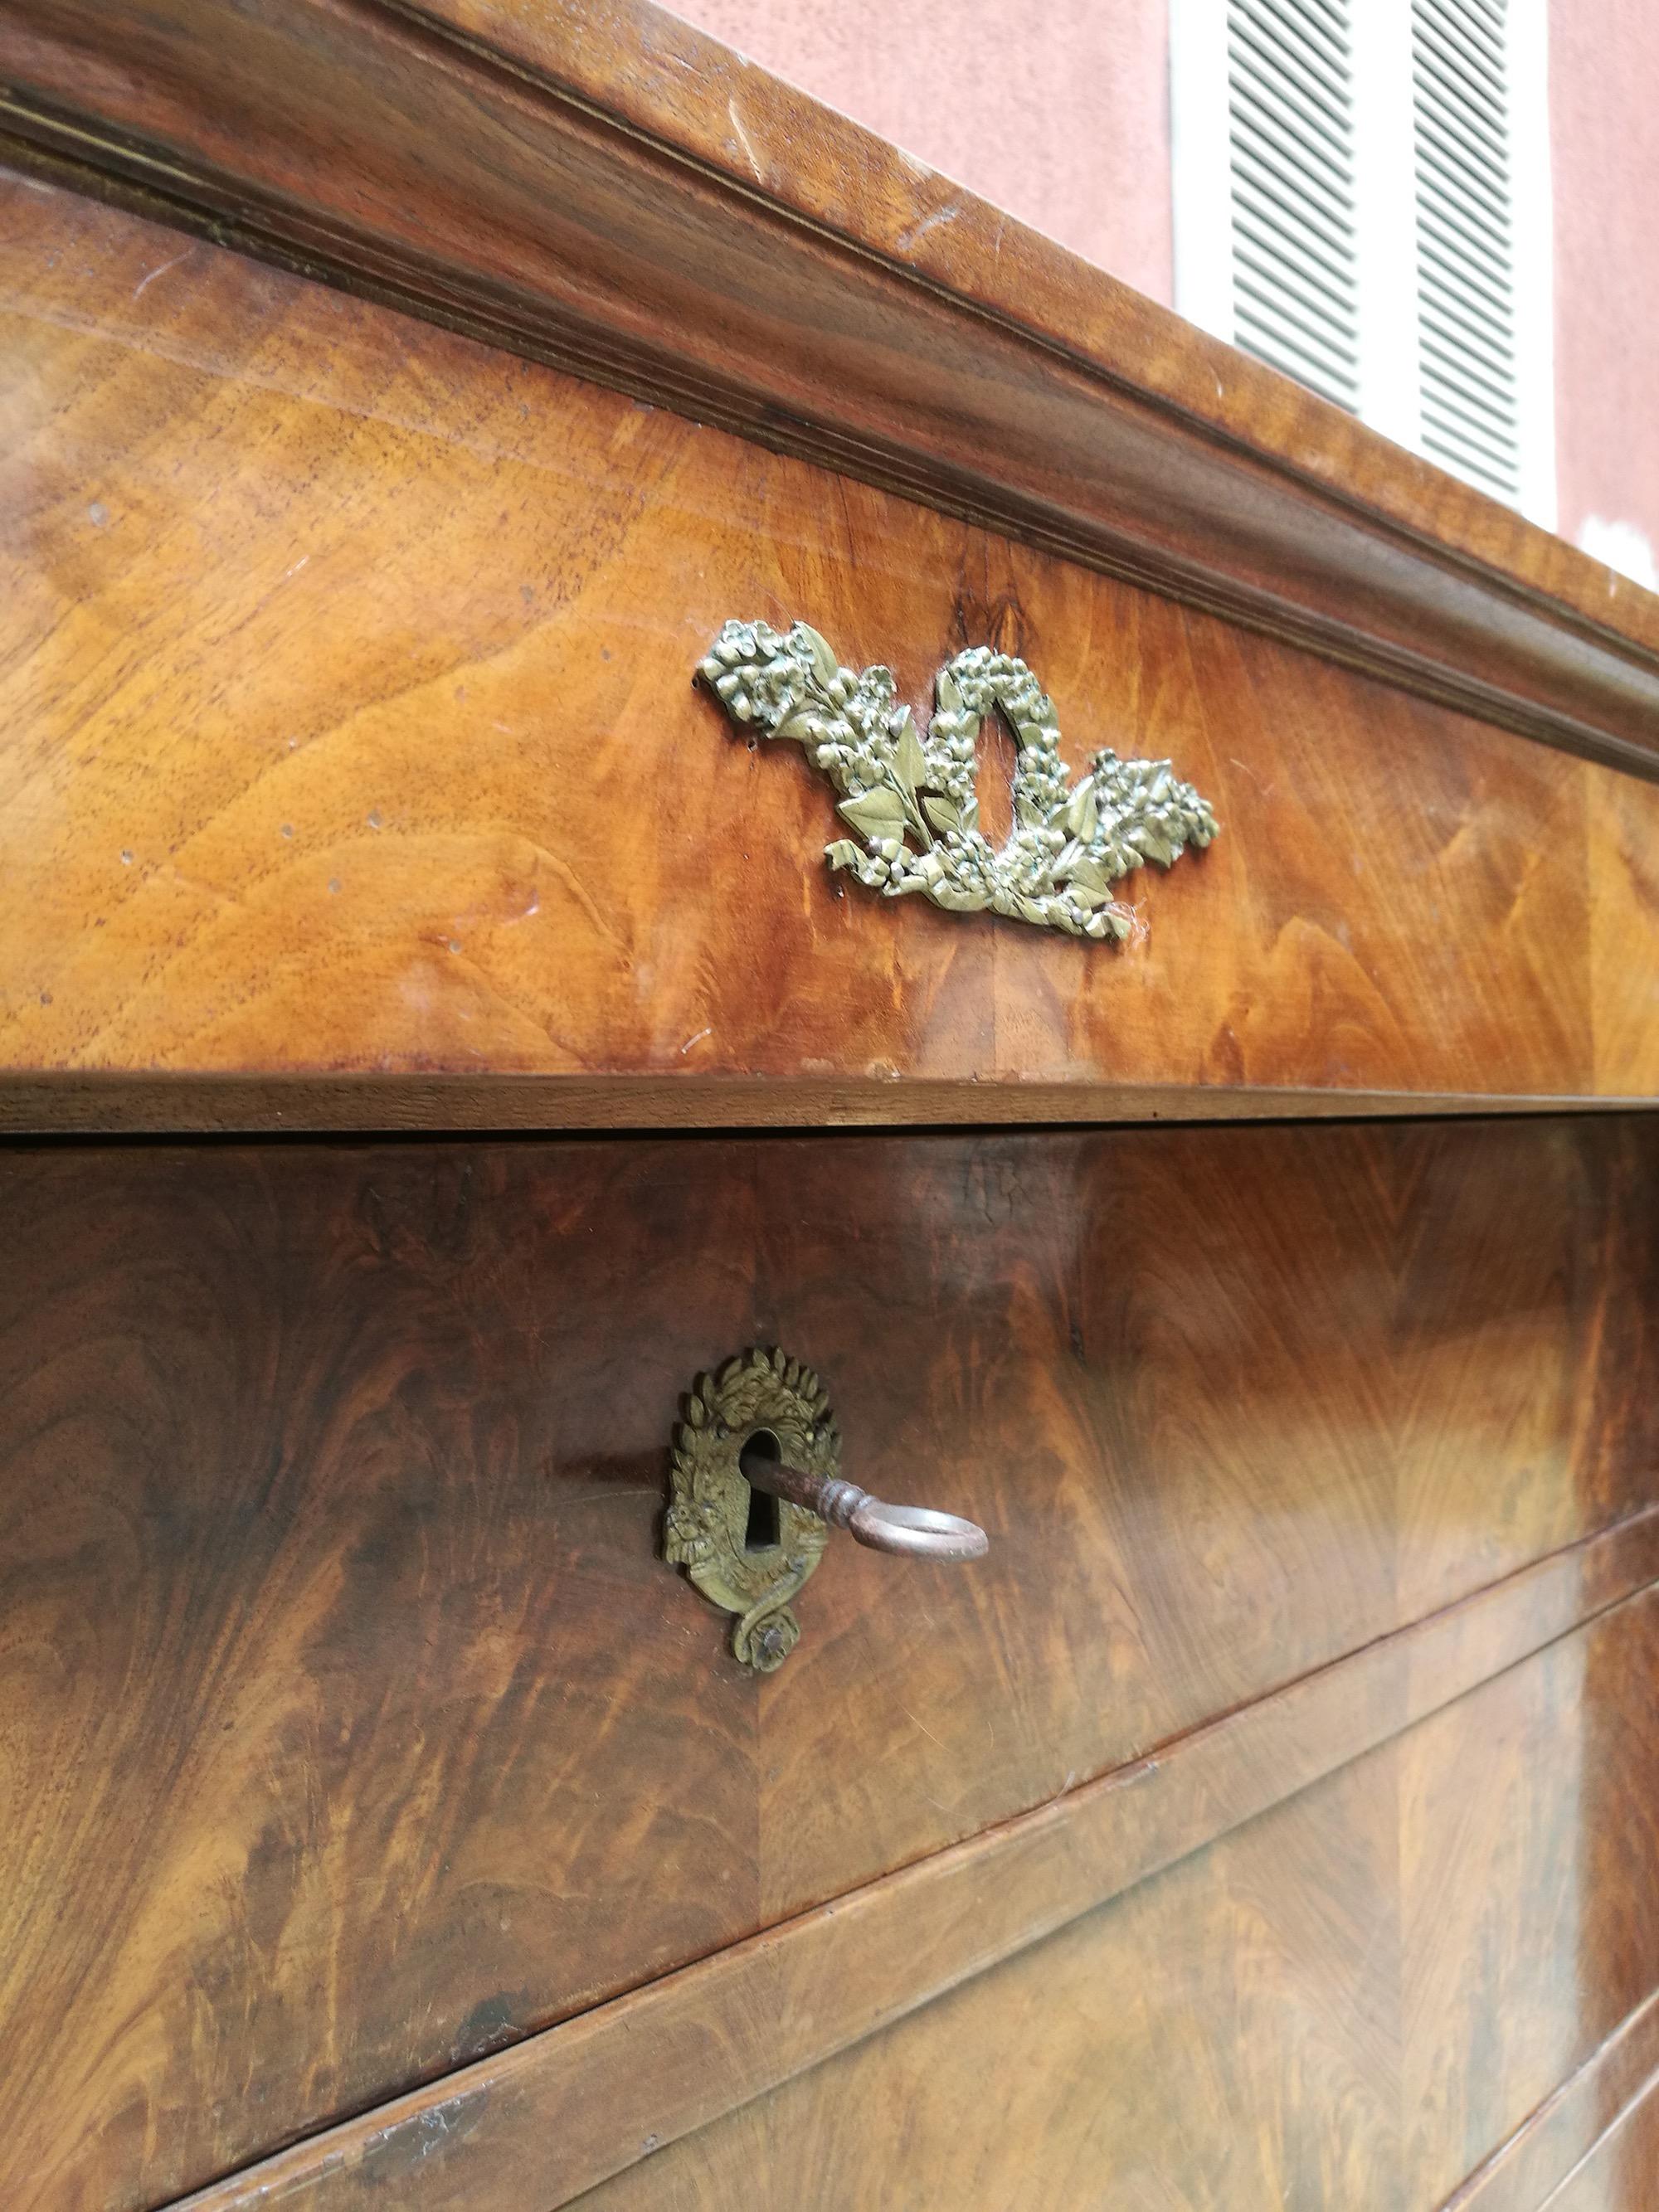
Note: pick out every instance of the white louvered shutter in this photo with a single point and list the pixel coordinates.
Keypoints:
(1466, 265)
(1291, 156)
(1348, 176)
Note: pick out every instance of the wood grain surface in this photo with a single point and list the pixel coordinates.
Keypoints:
(1617, 2174)
(328, 1541)
(108, 1104)
(558, 2113)
(347, 731)
(603, 187)
(1336, 2008)
(1571, 2125)
(1270, 1820)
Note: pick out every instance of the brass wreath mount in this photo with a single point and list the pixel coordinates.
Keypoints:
(910, 795)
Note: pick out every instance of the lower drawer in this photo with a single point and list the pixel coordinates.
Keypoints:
(1428, 1982)
(355, 1728)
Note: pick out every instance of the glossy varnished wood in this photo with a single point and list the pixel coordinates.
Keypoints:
(109, 1103)
(1617, 2174)
(566, 2109)
(1269, 1821)
(1571, 2126)
(604, 187)
(346, 730)
(355, 1445)
(1624, 876)
(1338, 2008)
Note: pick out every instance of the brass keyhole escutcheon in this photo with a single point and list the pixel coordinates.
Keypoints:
(767, 1403)
(756, 1487)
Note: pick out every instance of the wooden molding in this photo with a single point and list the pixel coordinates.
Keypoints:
(611, 192)
(117, 1104)
(563, 2109)
(1568, 2127)
(1624, 2157)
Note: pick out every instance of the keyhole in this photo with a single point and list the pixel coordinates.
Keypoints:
(996, 757)
(763, 1528)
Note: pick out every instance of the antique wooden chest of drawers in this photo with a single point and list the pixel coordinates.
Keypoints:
(672, 806)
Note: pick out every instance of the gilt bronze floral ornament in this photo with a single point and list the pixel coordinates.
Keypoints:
(910, 796)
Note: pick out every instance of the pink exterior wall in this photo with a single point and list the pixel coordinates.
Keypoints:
(1058, 112)
(1604, 127)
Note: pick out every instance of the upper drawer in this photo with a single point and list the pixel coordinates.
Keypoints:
(352, 1721)
(348, 733)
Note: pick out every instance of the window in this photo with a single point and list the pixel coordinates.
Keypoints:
(1362, 200)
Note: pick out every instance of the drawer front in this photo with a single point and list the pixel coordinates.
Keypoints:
(1345, 2006)
(354, 1726)
(335, 648)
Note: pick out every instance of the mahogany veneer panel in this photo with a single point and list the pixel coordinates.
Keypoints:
(1341, 2008)
(1618, 2174)
(565, 2109)
(1573, 2126)
(1624, 905)
(329, 1484)
(346, 728)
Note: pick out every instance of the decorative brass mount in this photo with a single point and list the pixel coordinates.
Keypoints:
(762, 1424)
(911, 799)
